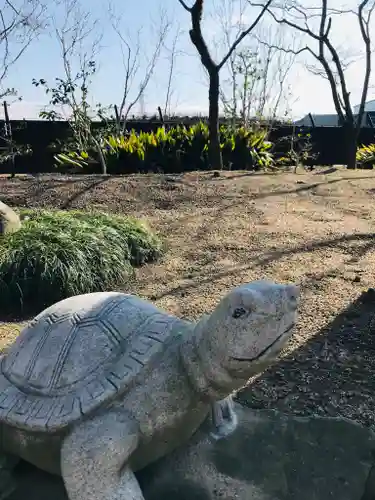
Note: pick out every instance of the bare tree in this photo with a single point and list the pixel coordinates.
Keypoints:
(257, 77)
(213, 70)
(333, 67)
(274, 90)
(78, 37)
(20, 24)
(172, 59)
(135, 76)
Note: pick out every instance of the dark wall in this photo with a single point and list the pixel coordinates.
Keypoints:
(328, 142)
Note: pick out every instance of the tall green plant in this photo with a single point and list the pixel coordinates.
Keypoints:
(366, 155)
(300, 149)
(73, 93)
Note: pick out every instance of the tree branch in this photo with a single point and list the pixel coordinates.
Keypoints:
(244, 34)
(22, 25)
(185, 6)
(365, 32)
(132, 66)
(341, 96)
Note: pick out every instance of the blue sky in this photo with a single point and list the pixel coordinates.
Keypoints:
(309, 93)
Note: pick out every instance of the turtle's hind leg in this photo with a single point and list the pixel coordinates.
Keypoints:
(94, 459)
(7, 481)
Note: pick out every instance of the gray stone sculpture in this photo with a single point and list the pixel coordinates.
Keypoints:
(9, 220)
(100, 385)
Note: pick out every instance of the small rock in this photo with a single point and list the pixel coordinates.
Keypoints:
(9, 220)
(368, 296)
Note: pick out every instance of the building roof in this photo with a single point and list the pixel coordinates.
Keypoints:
(369, 106)
(332, 120)
(368, 120)
(319, 121)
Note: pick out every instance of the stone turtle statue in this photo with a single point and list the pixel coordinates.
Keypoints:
(100, 385)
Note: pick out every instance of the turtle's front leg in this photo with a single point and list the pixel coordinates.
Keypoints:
(94, 459)
(224, 418)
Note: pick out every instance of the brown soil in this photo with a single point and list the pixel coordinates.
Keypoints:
(316, 229)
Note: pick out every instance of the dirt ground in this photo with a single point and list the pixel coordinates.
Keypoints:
(316, 229)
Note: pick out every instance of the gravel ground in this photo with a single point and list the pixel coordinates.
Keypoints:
(316, 229)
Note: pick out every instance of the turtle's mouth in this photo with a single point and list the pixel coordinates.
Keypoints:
(269, 347)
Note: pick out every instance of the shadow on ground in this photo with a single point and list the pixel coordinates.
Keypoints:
(77, 192)
(330, 375)
(357, 245)
(95, 183)
(37, 190)
(306, 187)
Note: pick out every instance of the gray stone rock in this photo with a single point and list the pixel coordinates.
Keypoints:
(270, 456)
(9, 220)
(100, 385)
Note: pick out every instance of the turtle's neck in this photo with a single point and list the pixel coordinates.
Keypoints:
(208, 379)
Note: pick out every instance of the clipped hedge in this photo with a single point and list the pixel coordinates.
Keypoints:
(57, 254)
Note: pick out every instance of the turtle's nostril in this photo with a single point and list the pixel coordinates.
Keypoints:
(293, 296)
(293, 304)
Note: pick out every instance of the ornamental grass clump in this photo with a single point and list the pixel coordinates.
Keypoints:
(57, 254)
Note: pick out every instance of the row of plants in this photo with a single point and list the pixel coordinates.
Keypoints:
(118, 151)
(178, 149)
(183, 148)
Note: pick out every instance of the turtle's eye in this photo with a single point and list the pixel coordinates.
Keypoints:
(238, 312)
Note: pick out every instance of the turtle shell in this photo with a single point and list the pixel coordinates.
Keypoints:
(77, 355)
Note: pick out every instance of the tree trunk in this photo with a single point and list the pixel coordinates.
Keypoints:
(351, 145)
(214, 151)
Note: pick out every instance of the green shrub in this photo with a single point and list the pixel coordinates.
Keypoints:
(57, 254)
(294, 150)
(175, 150)
(366, 155)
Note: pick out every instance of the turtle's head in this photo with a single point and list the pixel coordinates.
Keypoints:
(248, 329)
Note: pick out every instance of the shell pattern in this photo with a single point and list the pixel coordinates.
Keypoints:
(77, 355)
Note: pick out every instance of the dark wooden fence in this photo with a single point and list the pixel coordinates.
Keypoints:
(328, 142)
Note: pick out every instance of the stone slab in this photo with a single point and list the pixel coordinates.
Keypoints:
(270, 456)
